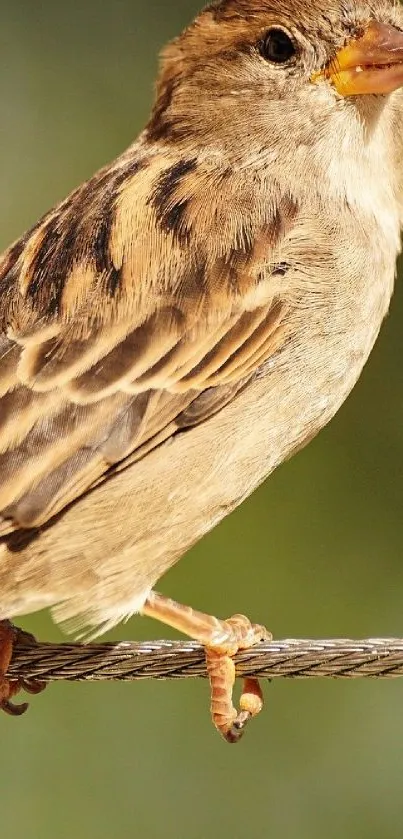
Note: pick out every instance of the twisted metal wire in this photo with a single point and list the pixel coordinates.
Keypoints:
(298, 659)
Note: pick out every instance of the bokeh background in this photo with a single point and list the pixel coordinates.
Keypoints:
(316, 552)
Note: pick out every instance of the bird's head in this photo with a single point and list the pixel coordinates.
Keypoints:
(249, 77)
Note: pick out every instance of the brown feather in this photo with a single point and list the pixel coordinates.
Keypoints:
(97, 382)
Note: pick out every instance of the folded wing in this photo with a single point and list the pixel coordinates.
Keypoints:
(122, 322)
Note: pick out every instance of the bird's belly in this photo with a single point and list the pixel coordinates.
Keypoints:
(186, 487)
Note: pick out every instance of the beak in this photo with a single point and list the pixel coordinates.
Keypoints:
(371, 63)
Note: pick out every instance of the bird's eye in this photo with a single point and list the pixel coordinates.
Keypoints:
(277, 46)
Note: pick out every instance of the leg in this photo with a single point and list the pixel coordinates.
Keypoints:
(222, 640)
(9, 687)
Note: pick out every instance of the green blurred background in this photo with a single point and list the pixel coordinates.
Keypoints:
(317, 551)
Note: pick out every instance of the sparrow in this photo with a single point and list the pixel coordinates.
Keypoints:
(195, 313)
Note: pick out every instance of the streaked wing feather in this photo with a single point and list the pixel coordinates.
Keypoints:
(101, 363)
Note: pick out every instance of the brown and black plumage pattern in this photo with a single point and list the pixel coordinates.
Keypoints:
(103, 351)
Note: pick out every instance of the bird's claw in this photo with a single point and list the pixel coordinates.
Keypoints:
(9, 635)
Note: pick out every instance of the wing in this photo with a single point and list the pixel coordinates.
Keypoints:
(129, 312)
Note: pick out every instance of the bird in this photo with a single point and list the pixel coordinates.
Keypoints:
(195, 313)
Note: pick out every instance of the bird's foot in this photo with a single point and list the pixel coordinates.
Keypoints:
(237, 633)
(9, 635)
(222, 640)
